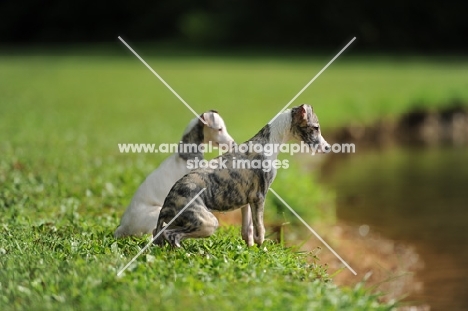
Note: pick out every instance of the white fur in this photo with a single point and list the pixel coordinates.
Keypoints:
(142, 214)
(280, 128)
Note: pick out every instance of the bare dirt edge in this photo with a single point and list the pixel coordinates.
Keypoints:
(386, 266)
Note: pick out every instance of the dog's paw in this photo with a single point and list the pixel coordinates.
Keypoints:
(259, 240)
(172, 238)
(259, 235)
(249, 240)
(175, 244)
(247, 236)
(159, 241)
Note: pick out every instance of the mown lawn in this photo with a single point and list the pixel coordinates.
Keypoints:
(64, 185)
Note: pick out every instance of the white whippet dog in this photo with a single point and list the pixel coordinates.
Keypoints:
(142, 214)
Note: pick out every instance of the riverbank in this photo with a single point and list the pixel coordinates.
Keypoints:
(447, 123)
(388, 267)
(390, 263)
(401, 206)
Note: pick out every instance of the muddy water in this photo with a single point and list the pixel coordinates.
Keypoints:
(418, 196)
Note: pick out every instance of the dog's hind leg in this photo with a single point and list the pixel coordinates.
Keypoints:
(202, 225)
(199, 224)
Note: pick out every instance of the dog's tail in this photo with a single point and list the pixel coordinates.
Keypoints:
(160, 240)
(164, 215)
(120, 232)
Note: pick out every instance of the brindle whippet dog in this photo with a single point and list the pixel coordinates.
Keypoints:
(232, 188)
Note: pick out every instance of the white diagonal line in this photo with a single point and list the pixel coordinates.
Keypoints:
(313, 79)
(159, 233)
(162, 80)
(313, 231)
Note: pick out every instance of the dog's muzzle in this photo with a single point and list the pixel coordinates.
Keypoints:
(323, 146)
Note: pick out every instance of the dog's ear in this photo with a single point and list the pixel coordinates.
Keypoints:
(303, 109)
(209, 118)
(301, 115)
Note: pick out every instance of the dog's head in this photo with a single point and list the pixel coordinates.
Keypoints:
(215, 130)
(305, 127)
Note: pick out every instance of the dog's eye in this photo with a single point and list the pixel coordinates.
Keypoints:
(315, 128)
(220, 130)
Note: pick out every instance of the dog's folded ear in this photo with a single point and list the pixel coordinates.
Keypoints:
(302, 113)
(209, 118)
(306, 108)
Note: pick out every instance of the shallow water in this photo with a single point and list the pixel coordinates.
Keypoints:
(418, 196)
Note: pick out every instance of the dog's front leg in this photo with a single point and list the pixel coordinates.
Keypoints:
(257, 218)
(247, 226)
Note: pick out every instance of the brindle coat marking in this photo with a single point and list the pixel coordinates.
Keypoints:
(231, 188)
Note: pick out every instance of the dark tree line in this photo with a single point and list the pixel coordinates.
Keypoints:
(388, 25)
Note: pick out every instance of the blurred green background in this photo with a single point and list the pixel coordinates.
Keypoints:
(71, 109)
(70, 92)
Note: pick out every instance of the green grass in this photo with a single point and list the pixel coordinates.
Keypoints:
(108, 93)
(71, 266)
(64, 185)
